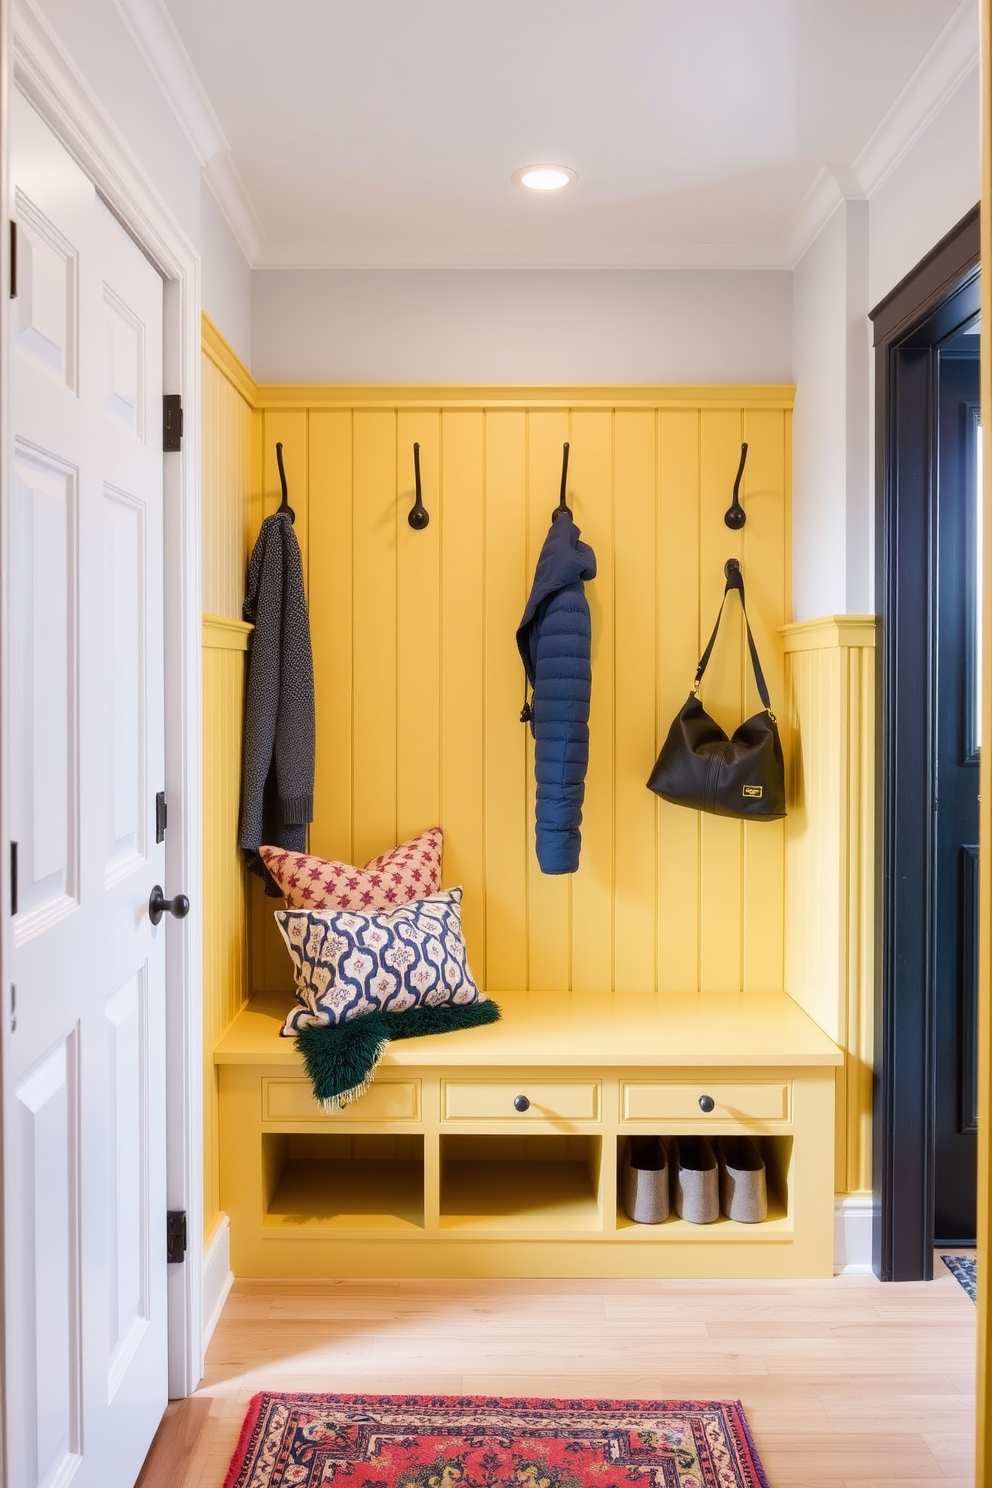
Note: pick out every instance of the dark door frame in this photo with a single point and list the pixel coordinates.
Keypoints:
(937, 297)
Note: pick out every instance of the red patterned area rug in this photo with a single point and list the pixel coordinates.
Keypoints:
(452, 1441)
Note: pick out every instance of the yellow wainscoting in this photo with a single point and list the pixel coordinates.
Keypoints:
(830, 882)
(227, 393)
(225, 921)
(419, 684)
(227, 397)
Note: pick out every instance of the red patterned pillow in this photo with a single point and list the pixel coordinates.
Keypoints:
(410, 871)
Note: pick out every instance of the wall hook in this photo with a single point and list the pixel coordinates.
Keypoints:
(562, 506)
(733, 575)
(419, 516)
(284, 505)
(735, 516)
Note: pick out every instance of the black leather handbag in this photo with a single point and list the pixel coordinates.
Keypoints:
(700, 767)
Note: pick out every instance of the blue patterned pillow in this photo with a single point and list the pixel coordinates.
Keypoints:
(347, 963)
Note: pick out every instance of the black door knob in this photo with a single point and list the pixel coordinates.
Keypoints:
(521, 1103)
(158, 905)
(706, 1103)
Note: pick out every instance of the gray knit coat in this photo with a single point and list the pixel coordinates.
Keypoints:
(277, 761)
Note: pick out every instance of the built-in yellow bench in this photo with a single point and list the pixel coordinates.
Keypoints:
(441, 1169)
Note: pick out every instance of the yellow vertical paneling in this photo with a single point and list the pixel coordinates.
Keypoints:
(509, 834)
(548, 896)
(830, 882)
(374, 525)
(721, 902)
(331, 605)
(678, 631)
(419, 683)
(591, 495)
(226, 492)
(227, 422)
(225, 980)
(418, 634)
(460, 520)
(636, 626)
(861, 952)
(257, 505)
(765, 566)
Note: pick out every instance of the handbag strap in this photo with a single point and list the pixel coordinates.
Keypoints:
(735, 580)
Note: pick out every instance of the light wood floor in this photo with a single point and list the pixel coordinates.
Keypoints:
(846, 1383)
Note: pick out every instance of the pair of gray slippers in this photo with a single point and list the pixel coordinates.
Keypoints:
(696, 1177)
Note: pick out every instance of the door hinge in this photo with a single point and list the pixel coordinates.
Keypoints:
(13, 259)
(176, 1235)
(13, 878)
(161, 817)
(172, 423)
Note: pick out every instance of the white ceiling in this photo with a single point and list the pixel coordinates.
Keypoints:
(344, 132)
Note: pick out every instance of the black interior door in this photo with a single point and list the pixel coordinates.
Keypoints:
(957, 715)
(921, 1073)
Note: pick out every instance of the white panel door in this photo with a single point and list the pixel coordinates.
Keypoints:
(84, 1099)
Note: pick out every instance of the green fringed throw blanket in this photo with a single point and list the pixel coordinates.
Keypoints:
(341, 1060)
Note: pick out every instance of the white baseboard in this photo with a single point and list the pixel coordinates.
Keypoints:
(852, 1234)
(217, 1276)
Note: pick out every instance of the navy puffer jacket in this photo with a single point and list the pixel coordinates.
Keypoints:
(554, 638)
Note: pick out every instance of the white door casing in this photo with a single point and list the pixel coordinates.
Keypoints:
(44, 71)
(84, 1102)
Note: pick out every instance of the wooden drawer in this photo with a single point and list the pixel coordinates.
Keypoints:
(385, 1100)
(549, 1100)
(764, 1100)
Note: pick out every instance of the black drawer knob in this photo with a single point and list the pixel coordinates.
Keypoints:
(706, 1103)
(521, 1103)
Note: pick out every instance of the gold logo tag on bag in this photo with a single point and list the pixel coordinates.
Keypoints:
(756, 791)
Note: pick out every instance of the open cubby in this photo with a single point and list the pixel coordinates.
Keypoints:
(341, 1181)
(521, 1183)
(777, 1153)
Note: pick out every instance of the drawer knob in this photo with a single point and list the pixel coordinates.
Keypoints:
(521, 1103)
(706, 1103)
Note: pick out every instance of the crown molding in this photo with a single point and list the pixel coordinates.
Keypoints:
(946, 66)
(948, 63)
(158, 43)
(829, 190)
(231, 195)
(160, 46)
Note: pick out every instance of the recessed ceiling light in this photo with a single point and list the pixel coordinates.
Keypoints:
(543, 177)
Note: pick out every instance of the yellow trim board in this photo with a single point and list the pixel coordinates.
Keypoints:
(226, 635)
(223, 355)
(829, 632)
(332, 395)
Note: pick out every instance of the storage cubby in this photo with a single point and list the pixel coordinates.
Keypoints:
(777, 1154)
(344, 1182)
(520, 1183)
(495, 1151)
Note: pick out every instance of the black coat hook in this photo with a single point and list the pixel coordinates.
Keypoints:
(419, 516)
(735, 515)
(562, 506)
(284, 505)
